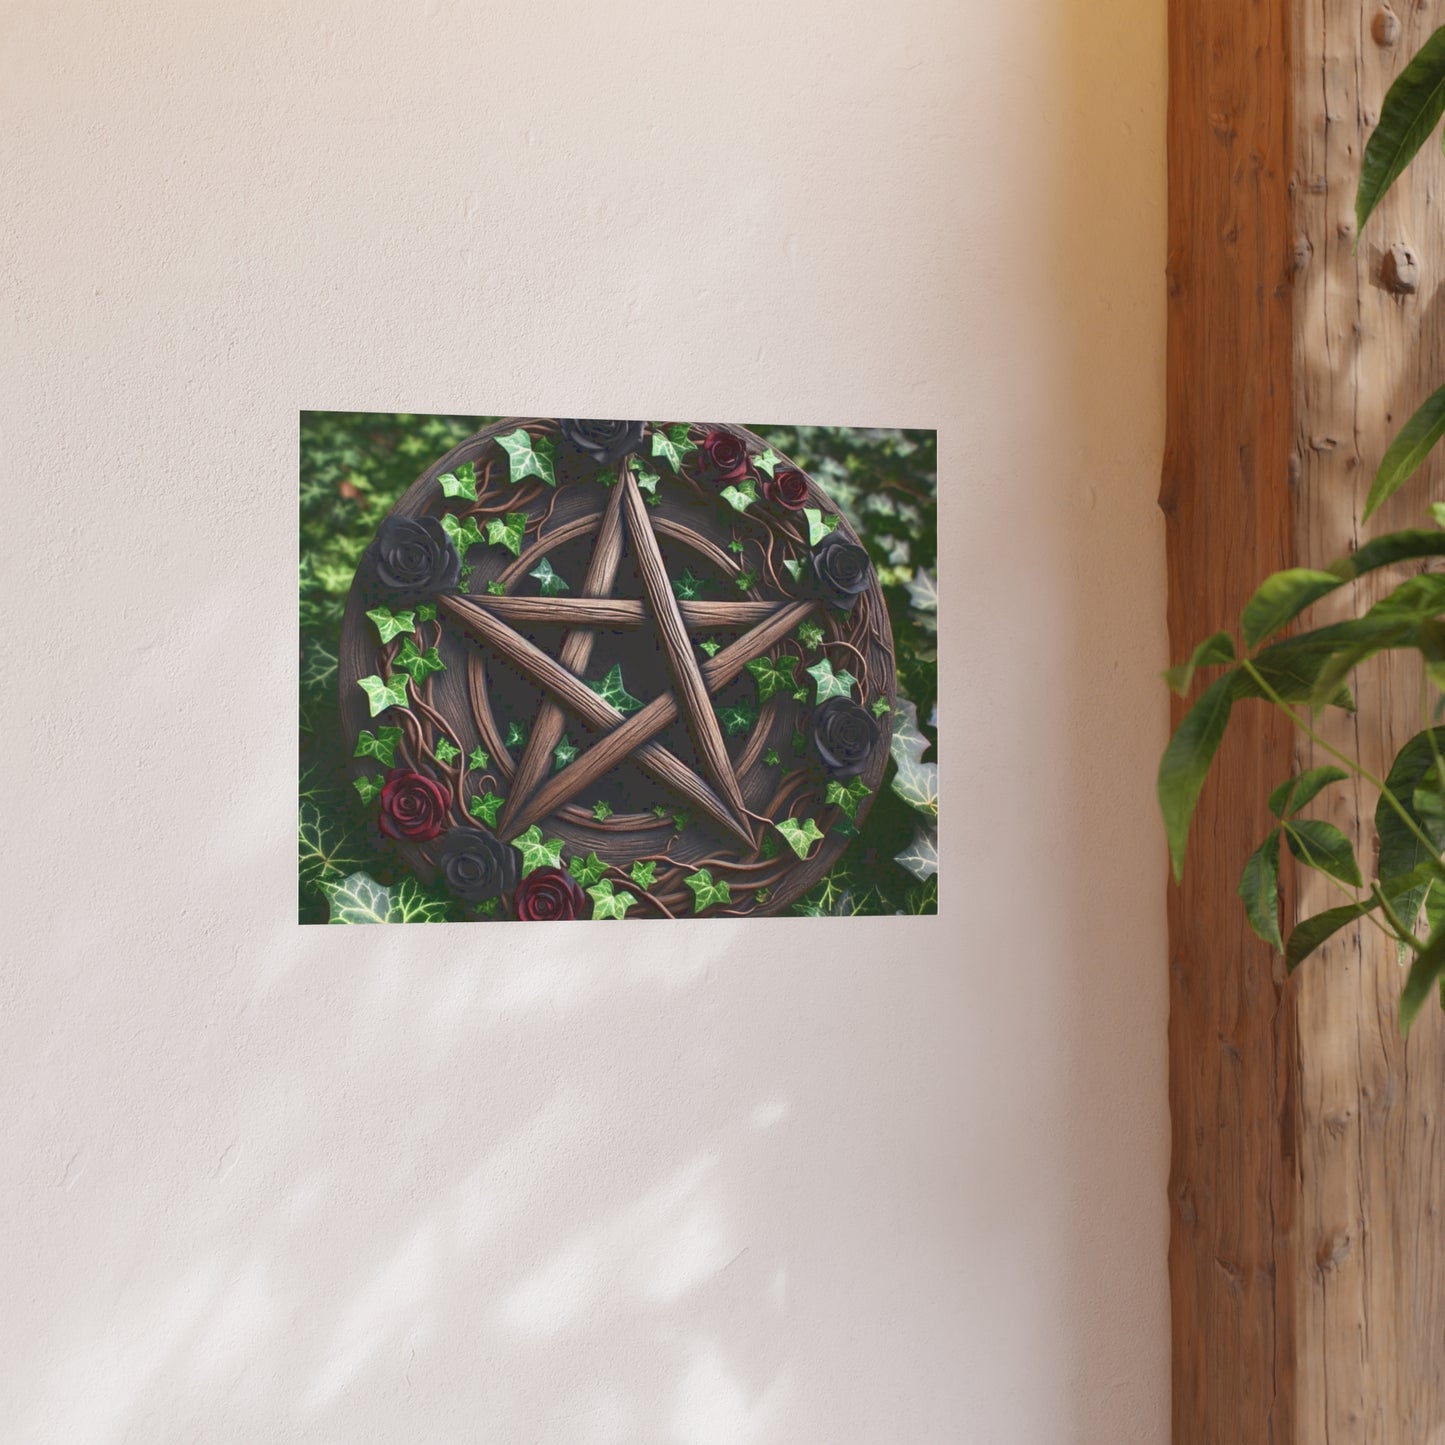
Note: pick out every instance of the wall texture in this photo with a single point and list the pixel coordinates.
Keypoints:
(769, 1184)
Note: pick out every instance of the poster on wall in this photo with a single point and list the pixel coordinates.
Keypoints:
(557, 668)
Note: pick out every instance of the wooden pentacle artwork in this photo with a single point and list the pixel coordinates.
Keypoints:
(607, 669)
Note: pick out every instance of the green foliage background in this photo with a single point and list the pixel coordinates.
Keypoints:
(354, 465)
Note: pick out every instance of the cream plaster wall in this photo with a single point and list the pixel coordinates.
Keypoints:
(875, 1184)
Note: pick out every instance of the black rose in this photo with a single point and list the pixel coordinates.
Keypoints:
(842, 570)
(414, 557)
(606, 442)
(844, 735)
(477, 865)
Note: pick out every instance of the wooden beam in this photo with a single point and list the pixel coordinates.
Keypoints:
(1307, 1261)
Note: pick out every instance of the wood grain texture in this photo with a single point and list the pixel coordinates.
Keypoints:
(1307, 1257)
(615, 612)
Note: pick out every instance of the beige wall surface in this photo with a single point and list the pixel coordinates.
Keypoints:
(894, 1181)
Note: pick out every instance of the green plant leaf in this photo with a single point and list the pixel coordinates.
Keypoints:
(917, 784)
(1405, 546)
(768, 462)
(538, 852)
(671, 445)
(564, 754)
(705, 892)
(586, 870)
(687, 587)
(445, 751)
(1322, 846)
(391, 624)
(1414, 442)
(737, 717)
(747, 579)
(920, 857)
(923, 590)
(507, 532)
(1425, 972)
(326, 846)
(411, 903)
(516, 735)
(847, 795)
(611, 690)
(773, 676)
(1281, 598)
(1309, 933)
(609, 903)
(711, 646)
(1186, 761)
(485, 808)
(528, 457)
(1412, 108)
(464, 535)
(419, 664)
(810, 634)
(818, 525)
(1219, 648)
(496, 588)
(795, 567)
(1401, 852)
(800, 836)
(881, 705)
(831, 684)
(1301, 790)
(368, 787)
(771, 758)
(1259, 887)
(478, 758)
(740, 497)
(381, 746)
(382, 695)
(644, 874)
(737, 547)
(427, 612)
(358, 898)
(602, 810)
(460, 483)
(550, 582)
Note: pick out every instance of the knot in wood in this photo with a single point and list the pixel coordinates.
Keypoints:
(1400, 271)
(1385, 27)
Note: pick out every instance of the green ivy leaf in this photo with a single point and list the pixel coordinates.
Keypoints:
(382, 695)
(564, 753)
(496, 589)
(738, 717)
(644, 874)
(831, 684)
(586, 871)
(768, 462)
(818, 525)
(1413, 106)
(368, 786)
(507, 532)
(460, 483)
(847, 795)
(795, 568)
(773, 676)
(446, 752)
(810, 634)
(411, 903)
(478, 759)
(464, 535)
(419, 664)
(920, 857)
(923, 590)
(427, 612)
(769, 847)
(771, 758)
(485, 808)
(527, 457)
(672, 445)
(740, 497)
(1186, 761)
(607, 903)
(658, 811)
(680, 820)
(391, 624)
(712, 646)
(538, 852)
(382, 746)
(1259, 888)
(737, 547)
(747, 579)
(551, 583)
(358, 898)
(602, 810)
(516, 735)
(611, 690)
(687, 587)
(800, 836)
(881, 706)
(607, 478)
(489, 907)
(705, 892)
(647, 485)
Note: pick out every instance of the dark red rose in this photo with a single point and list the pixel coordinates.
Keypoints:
(787, 488)
(413, 806)
(549, 895)
(724, 456)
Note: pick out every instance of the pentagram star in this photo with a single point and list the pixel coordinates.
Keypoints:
(489, 618)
